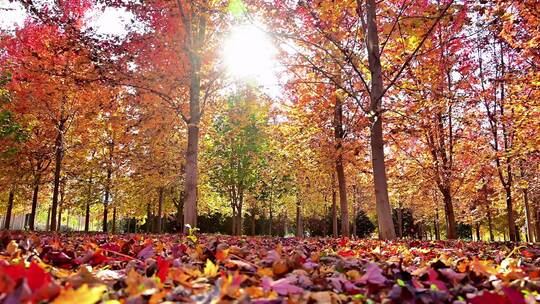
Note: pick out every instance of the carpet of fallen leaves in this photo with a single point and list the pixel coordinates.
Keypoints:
(135, 268)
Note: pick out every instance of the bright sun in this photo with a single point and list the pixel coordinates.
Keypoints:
(249, 53)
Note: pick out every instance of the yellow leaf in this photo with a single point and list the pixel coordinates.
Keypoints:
(82, 295)
(210, 269)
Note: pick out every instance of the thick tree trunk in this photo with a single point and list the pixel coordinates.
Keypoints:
(191, 181)
(32, 219)
(334, 214)
(510, 215)
(59, 153)
(299, 221)
(449, 214)
(161, 193)
(384, 211)
(9, 211)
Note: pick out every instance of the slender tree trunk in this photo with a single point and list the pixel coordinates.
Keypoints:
(59, 153)
(384, 211)
(400, 221)
(9, 211)
(436, 226)
(47, 225)
(107, 194)
(299, 222)
(478, 231)
(334, 214)
(161, 192)
(148, 218)
(191, 181)
(354, 208)
(253, 221)
(114, 220)
(271, 211)
(537, 225)
(32, 219)
(340, 171)
(87, 217)
(528, 219)
(449, 214)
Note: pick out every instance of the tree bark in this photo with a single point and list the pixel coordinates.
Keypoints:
(299, 222)
(87, 217)
(108, 186)
(437, 226)
(148, 219)
(161, 193)
(334, 213)
(384, 211)
(59, 153)
(528, 219)
(340, 171)
(114, 220)
(32, 219)
(449, 214)
(510, 214)
(537, 225)
(48, 224)
(9, 211)
(478, 232)
(191, 181)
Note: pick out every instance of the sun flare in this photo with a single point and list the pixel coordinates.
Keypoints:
(249, 53)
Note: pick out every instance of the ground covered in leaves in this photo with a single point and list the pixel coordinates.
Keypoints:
(134, 268)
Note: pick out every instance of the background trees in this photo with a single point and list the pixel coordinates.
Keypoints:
(436, 111)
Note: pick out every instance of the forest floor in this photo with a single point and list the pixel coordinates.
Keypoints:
(135, 268)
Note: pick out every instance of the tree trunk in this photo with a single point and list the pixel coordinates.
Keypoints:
(334, 214)
(106, 199)
(253, 221)
(114, 220)
(528, 219)
(384, 211)
(510, 215)
(9, 211)
(48, 224)
(478, 232)
(400, 221)
(299, 222)
(340, 171)
(160, 208)
(537, 225)
(191, 181)
(437, 226)
(270, 225)
(32, 219)
(449, 214)
(148, 218)
(59, 153)
(87, 217)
